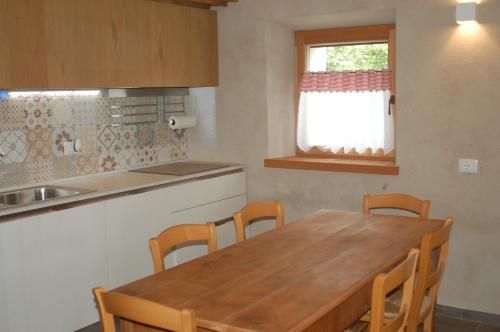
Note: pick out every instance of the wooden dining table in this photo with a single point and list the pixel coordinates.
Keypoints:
(313, 274)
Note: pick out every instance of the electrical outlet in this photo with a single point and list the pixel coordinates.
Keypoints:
(468, 166)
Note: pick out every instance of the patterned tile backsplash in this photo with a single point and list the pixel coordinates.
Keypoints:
(33, 131)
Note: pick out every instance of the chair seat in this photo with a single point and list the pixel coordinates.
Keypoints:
(393, 303)
(358, 327)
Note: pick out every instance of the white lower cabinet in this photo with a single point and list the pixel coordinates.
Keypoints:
(130, 222)
(50, 262)
(217, 211)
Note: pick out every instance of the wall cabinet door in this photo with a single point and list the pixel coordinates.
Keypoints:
(70, 44)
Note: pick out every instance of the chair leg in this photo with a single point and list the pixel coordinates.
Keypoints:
(411, 328)
(429, 322)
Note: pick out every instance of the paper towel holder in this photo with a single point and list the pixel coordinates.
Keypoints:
(171, 121)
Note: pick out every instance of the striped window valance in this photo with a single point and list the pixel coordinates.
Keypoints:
(346, 81)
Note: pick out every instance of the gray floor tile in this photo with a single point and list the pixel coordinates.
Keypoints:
(487, 328)
(445, 324)
(92, 328)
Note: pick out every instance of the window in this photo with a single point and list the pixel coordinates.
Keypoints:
(345, 99)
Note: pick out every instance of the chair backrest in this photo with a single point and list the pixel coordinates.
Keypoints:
(397, 201)
(180, 234)
(432, 262)
(385, 283)
(111, 304)
(257, 211)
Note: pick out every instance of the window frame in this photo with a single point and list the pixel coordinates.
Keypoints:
(343, 36)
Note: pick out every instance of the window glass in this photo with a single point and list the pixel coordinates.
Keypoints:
(349, 57)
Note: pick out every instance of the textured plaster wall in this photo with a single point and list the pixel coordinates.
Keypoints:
(448, 108)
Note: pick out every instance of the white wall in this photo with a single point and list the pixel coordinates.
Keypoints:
(447, 109)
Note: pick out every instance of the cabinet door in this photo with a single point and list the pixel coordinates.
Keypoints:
(184, 49)
(70, 44)
(23, 56)
(130, 222)
(78, 43)
(50, 264)
(204, 58)
(13, 315)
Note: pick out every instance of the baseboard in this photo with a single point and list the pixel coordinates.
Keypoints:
(476, 316)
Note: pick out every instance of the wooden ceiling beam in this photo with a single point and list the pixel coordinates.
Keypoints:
(200, 3)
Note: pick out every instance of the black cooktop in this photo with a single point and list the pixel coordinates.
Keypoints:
(181, 168)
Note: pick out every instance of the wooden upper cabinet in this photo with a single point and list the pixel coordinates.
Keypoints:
(23, 50)
(65, 44)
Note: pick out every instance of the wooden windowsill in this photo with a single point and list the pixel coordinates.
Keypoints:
(335, 165)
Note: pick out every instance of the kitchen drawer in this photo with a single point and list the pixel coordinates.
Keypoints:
(206, 191)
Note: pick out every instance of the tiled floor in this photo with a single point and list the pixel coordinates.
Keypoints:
(443, 324)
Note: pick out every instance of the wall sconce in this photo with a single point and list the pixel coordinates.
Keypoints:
(466, 13)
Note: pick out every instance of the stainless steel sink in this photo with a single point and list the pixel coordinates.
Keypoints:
(37, 194)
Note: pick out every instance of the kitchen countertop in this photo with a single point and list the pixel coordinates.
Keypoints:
(108, 184)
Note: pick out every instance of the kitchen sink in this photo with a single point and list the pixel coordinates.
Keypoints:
(37, 194)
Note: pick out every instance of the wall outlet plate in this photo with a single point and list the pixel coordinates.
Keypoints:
(468, 166)
(69, 148)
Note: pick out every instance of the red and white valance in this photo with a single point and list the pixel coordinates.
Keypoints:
(346, 81)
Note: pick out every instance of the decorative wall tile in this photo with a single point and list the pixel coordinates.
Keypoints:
(126, 136)
(87, 163)
(39, 143)
(103, 111)
(147, 156)
(12, 175)
(170, 135)
(33, 130)
(84, 111)
(88, 136)
(40, 170)
(106, 137)
(124, 148)
(37, 113)
(178, 151)
(65, 167)
(161, 130)
(179, 134)
(146, 136)
(62, 111)
(125, 157)
(11, 115)
(59, 137)
(13, 144)
(163, 152)
(108, 162)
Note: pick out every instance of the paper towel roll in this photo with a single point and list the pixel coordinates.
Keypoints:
(182, 122)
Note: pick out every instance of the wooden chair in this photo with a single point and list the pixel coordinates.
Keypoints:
(255, 211)
(180, 234)
(111, 304)
(397, 201)
(401, 276)
(433, 257)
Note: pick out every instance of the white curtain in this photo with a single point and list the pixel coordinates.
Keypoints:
(335, 120)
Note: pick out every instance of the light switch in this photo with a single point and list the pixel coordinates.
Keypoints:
(468, 166)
